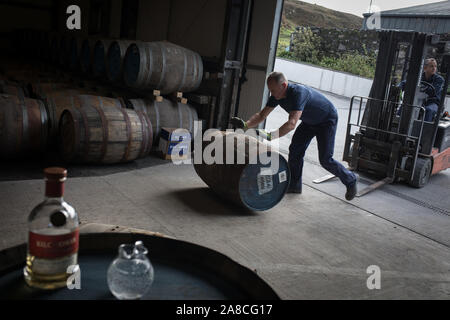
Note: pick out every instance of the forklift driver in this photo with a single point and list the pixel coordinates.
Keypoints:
(319, 119)
(433, 89)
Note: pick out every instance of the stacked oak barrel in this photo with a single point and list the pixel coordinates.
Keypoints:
(114, 117)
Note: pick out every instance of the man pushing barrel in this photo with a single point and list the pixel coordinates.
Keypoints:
(319, 119)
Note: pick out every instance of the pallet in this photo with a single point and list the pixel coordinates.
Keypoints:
(198, 98)
(178, 98)
(157, 96)
(212, 76)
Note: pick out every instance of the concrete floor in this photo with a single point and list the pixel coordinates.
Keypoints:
(311, 246)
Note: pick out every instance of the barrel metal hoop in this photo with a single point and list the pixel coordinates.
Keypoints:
(199, 70)
(191, 122)
(129, 133)
(143, 61)
(44, 123)
(21, 93)
(150, 132)
(25, 124)
(76, 124)
(147, 134)
(87, 135)
(181, 86)
(104, 127)
(196, 70)
(148, 61)
(155, 104)
(20, 123)
(122, 51)
(163, 70)
(150, 68)
(144, 137)
(122, 102)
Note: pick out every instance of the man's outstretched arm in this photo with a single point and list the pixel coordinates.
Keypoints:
(256, 119)
(259, 117)
(294, 116)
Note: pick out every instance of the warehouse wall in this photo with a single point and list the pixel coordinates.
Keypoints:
(195, 24)
(262, 46)
(37, 15)
(24, 14)
(116, 12)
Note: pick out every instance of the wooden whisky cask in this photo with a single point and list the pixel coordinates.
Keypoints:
(250, 183)
(162, 66)
(24, 126)
(166, 114)
(100, 130)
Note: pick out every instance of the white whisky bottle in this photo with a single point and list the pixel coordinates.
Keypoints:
(53, 236)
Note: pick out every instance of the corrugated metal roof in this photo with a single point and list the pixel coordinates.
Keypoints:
(428, 18)
(433, 9)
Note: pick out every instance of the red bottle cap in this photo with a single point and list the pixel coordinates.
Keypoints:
(54, 173)
(54, 186)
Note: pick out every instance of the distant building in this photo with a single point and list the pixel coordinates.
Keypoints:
(429, 18)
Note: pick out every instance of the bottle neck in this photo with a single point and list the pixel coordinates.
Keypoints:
(54, 189)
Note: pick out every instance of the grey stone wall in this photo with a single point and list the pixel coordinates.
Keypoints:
(335, 42)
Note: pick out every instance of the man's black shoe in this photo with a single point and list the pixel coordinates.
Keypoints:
(293, 190)
(352, 190)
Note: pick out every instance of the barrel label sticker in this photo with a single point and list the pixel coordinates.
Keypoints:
(265, 184)
(282, 176)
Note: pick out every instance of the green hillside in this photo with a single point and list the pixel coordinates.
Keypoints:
(299, 13)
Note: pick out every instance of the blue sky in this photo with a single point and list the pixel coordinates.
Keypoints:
(359, 7)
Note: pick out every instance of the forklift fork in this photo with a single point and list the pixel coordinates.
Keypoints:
(391, 171)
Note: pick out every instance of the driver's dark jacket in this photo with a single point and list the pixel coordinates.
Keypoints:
(437, 82)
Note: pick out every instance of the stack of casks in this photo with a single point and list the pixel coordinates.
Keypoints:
(86, 128)
(42, 107)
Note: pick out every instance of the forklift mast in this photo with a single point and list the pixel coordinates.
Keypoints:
(392, 134)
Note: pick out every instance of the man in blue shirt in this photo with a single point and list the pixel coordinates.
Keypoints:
(319, 119)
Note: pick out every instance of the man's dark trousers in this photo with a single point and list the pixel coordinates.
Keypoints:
(325, 134)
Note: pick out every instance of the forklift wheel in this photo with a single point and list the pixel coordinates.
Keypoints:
(422, 173)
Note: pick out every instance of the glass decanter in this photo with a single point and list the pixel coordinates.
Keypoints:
(130, 275)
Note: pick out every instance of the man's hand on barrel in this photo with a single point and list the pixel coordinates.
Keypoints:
(238, 123)
(264, 134)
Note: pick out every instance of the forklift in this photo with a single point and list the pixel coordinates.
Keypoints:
(387, 136)
(392, 140)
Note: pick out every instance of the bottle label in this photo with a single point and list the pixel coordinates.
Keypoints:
(53, 247)
(53, 266)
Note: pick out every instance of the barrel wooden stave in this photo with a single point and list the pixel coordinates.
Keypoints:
(102, 131)
(24, 126)
(13, 89)
(86, 55)
(99, 58)
(115, 58)
(75, 45)
(166, 113)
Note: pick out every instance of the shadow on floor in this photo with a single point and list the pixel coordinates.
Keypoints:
(206, 202)
(32, 168)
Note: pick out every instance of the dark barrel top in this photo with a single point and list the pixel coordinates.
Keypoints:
(183, 271)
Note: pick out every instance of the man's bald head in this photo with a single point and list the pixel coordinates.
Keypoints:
(277, 84)
(277, 78)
